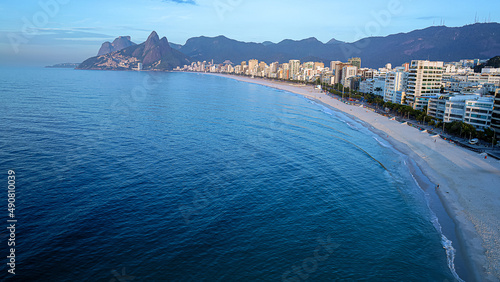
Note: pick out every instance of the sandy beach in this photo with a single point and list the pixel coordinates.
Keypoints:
(469, 184)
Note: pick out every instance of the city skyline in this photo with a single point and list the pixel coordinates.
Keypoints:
(52, 31)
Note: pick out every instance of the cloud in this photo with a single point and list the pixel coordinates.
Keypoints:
(56, 36)
(428, 18)
(191, 2)
(85, 28)
(124, 27)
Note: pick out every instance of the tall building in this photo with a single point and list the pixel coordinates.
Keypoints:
(274, 67)
(495, 116)
(332, 65)
(238, 69)
(355, 62)
(286, 71)
(261, 67)
(395, 81)
(252, 66)
(294, 68)
(348, 71)
(338, 71)
(424, 80)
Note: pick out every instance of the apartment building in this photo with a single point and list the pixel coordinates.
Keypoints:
(478, 112)
(424, 80)
(436, 107)
(395, 81)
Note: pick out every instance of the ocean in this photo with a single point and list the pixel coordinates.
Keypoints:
(140, 176)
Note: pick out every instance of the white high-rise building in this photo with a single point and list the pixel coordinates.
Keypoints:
(274, 67)
(294, 68)
(424, 80)
(395, 81)
(348, 71)
(252, 66)
(333, 64)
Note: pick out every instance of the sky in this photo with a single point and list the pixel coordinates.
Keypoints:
(45, 32)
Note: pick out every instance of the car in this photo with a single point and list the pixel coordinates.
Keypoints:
(473, 141)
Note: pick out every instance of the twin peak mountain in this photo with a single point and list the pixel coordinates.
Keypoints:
(123, 54)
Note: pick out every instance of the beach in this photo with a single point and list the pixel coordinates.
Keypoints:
(468, 183)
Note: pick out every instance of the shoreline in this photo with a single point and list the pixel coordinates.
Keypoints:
(466, 180)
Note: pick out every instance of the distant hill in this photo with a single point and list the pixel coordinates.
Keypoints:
(434, 43)
(493, 62)
(118, 44)
(480, 40)
(154, 54)
(64, 65)
(221, 48)
(175, 46)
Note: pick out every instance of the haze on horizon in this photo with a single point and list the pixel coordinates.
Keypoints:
(42, 32)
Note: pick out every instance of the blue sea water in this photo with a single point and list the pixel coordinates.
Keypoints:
(137, 176)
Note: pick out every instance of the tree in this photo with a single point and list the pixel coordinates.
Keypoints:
(488, 135)
(468, 130)
(389, 105)
(428, 119)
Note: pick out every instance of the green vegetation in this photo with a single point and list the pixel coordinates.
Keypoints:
(408, 111)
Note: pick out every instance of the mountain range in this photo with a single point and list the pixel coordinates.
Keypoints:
(481, 40)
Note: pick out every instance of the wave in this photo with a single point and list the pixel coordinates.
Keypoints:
(382, 143)
(450, 253)
(323, 108)
(445, 242)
